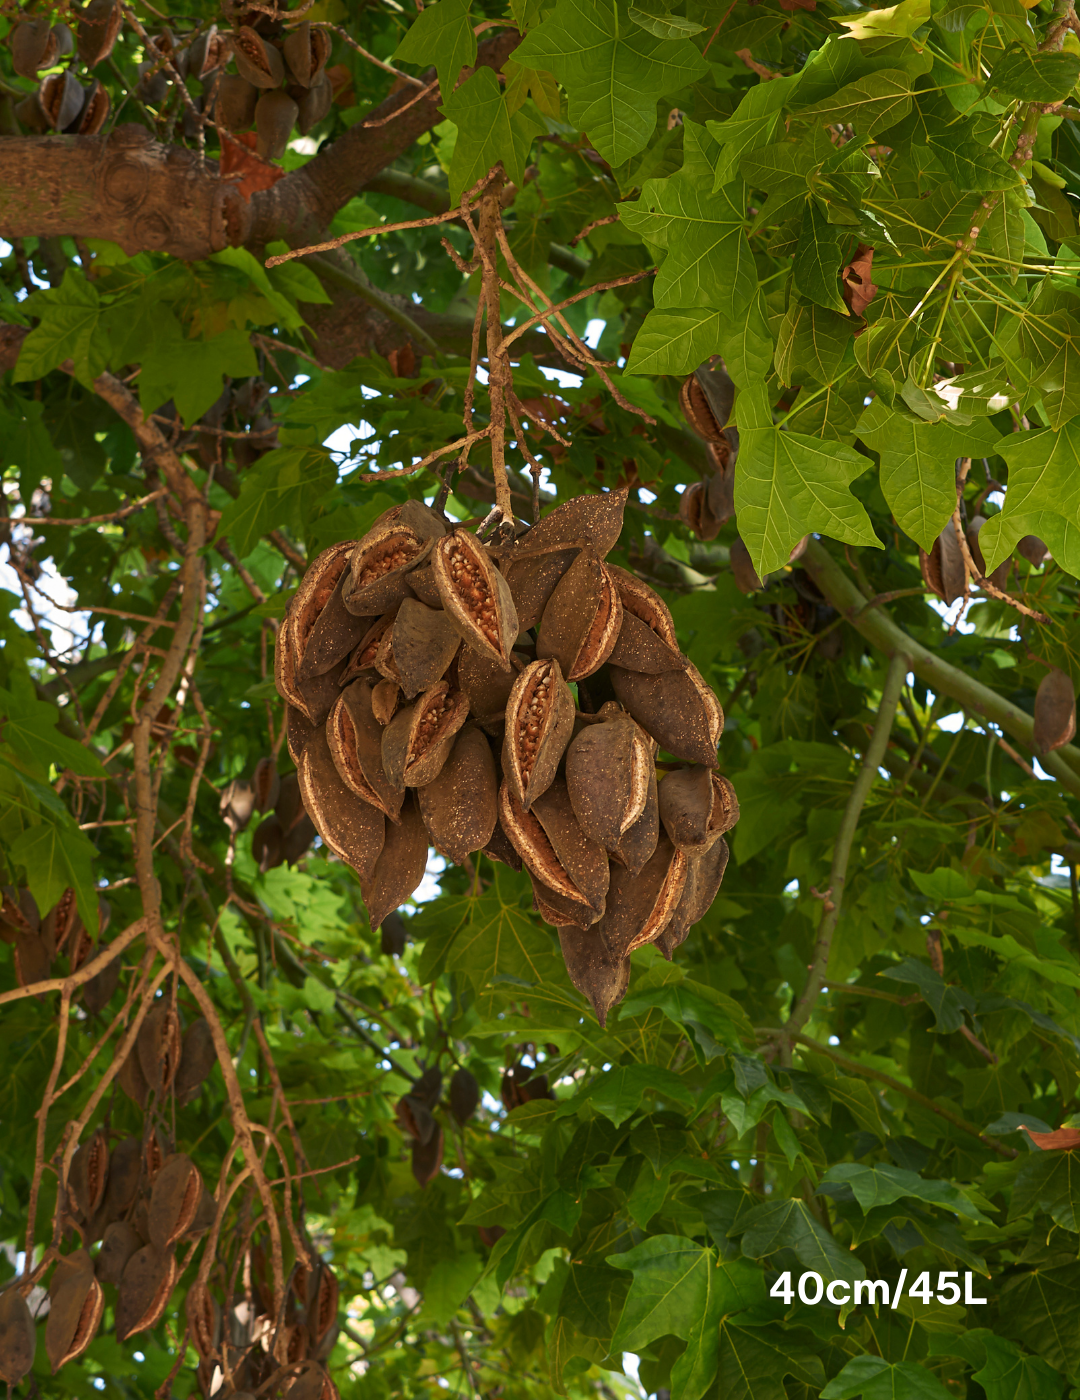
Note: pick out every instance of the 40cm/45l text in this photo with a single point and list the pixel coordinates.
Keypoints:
(812, 1288)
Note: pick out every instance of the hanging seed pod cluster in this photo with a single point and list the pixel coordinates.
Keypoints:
(511, 700)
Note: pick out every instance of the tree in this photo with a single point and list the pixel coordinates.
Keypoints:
(800, 281)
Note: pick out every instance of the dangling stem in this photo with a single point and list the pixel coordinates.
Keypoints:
(499, 380)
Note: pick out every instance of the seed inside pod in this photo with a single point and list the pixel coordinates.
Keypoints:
(475, 596)
(94, 112)
(61, 96)
(677, 708)
(582, 619)
(378, 568)
(607, 777)
(400, 866)
(461, 805)
(697, 805)
(593, 970)
(539, 723)
(355, 738)
(537, 850)
(424, 643)
(352, 828)
(322, 630)
(258, 61)
(363, 658)
(385, 698)
(417, 741)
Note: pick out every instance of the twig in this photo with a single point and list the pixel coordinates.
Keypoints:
(85, 520)
(391, 116)
(378, 62)
(596, 223)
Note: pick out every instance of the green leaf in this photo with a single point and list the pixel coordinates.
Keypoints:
(724, 1023)
(70, 329)
(1035, 77)
(947, 1003)
(811, 343)
(278, 490)
(881, 1185)
(665, 26)
(1049, 1182)
(448, 1285)
(495, 940)
(617, 1093)
(670, 1289)
(1000, 1367)
(29, 725)
(675, 342)
(57, 856)
(871, 104)
(1043, 496)
(1041, 1308)
(898, 20)
(753, 1361)
(790, 1225)
(190, 372)
(972, 167)
(819, 258)
(876, 1379)
(753, 124)
(487, 132)
(441, 36)
(613, 71)
(789, 485)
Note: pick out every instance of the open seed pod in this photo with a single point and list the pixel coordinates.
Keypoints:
(18, 1336)
(236, 804)
(639, 907)
(417, 741)
(120, 1242)
(399, 541)
(125, 1166)
(607, 776)
(153, 84)
(76, 1303)
(645, 604)
(581, 622)
(461, 805)
(696, 513)
(539, 724)
(426, 1160)
(539, 563)
(61, 96)
(593, 970)
(322, 630)
(640, 648)
(257, 60)
(352, 828)
(400, 866)
(424, 642)
(29, 114)
(275, 117)
(355, 739)
(697, 805)
(285, 678)
(475, 596)
(145, 1287)
(159, 1045)
(555, 850)
(306, 51)
(365, 655)
(943, 568)
(207, 53)
(707, 398)
(95, 110)
(320, 692)
(236, 101)
(638, 841)
(1055, 711)
(720, 489)
(704, 872)
(298, 730)
(98, 992)
(677, 708)
(89, 1174)
(266, 784)
(33, 47)
(315, 104)
(174, 1199)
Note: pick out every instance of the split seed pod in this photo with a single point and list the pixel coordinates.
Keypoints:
(539, 724)
(298, 730)
(1055, 711)
(257, 61)
(159, 1045)
(424, 643)
(265, 784)
(742, 568)
(61, 96)
(33, 47)
(638, 841)
(640, 907)
(32, 959)
(487, 685)
(704, 872)
(539, 563)
(399, 541)
(355, 738)
(89, 1174)
(323, 1311)
(475, 596)
(275, 117)
(353, 829)
(77, 1302)
(98, 992)
(400, 866)
(174, 1199)
(1000, 575)
(144, 1290)
(645, 605)
(581, 622)
(677, 708)
(204, 1318)
(322, 630)
(707, 398)
(943, 568)
(236, 100)
(207, 53)
(315, 104)
(95, 110)
(121, 1241)
(697, 805)
(461, 806)
(593, 970)
(554, 849)
(695, 512)
(197, 1059)
(18, 1336)
(417, 741)
(306, 51)
(607, 777)
(236, 804)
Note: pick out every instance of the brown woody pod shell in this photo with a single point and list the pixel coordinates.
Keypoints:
(352, 828)
(33, 46)
(742, 567)
(285, 678)
(158, 1045)
(298, 730)
(584, 860)
(417, 741)
(311, 1383)
(424, 643)
(720, 489)
(535, 842)
(32, 959)
(268, 844)
(943, 568)
(697, 805)
(501, 849)
(400, 866)
(582, 618)
(1001, 574)
(265, 783)
(1034, 550)
(275, 117)
(121, 1241)
(540, 563)
(30, 115)
(639, 648)
(422, 583)
(323, 1310)
(644, 603)
(385, 699)
(677, 709)
(18, 1336)
(593, 970)
(696, 513)
(61, 96)
(322, 630)
(125, 1166)
(257, 61)
(236, 100)
(95, 111)
(207, 53)
(464, 1095)
(98, 992)
(539, 724)
(461, 806)
(77, 1302)
(236, 804)
(486, 684)
(306, 51)
(607, 777)
(197, 1059)
(398, 542)
(144, 1290)
(638, 842)
(704, 872)
(415, 1117)
(89, 1174)
(706, 399)
(355, 738)
(1055, 711)
(427, 1158)
(204, 1320)
(315, 104)
(639, 907)
(174, 1199)
(475, 596)
(320, 692)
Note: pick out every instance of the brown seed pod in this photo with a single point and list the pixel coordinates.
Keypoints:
(32, 961)
(486, 684)
(95, 111)
(539, 563)
(385, 699)
(204, 1217)
(159, 1045)
(315, 104)
(204, 1320)
(311, 1383)
(706, 399)
(285, 678)
(77, 1302)
(424, 643)
(581, 622)
(1000, 576)
(320, 692)
(322, 630)
(298, 730)
(353, 829)
(640, 907)
(461, 805)
(355, 739)
(125, 1168)
(323, 1311)
(207, 53)
(61, 96)
(642, 602)
(144, 1291)
(704, 872)
(154, 1154)
(364, 656)
(593, 970)
(415, 1118)
(464, 1095)
(427, 1158)
(1055, 711)
(539, 725)
(121, 1241)
(475, 596)
(236, 804)
(275, 117)
(1034, 550)
(400, 866)
(385, 663)
(33, 46)
(30, 115)
(98, 992)
(265, 784)
(417, 741)
(197, 1059)
(306, 51)
(943, 568)
(742, 568)
(639, 648)
(393, 935)
(422, 583)
(501, 849)
(89, 1174)
(236, 100)
(697, 805)
(398, 542)
(638, 842)
(18, 1336)
(554, 849)
(174, 1199)
(257, 60)
(607, 776)
(268, 844)
(677, 709)
(696, 513)
(720, 490)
